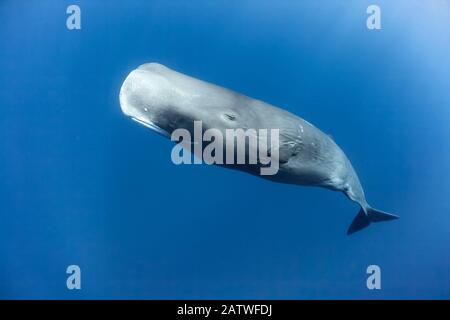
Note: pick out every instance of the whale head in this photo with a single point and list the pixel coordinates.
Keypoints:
(165, 100)
(145, 98)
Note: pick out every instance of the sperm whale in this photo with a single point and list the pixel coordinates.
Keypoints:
(165, 100)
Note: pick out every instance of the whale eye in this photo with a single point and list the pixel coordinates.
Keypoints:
(229, 116)
(146, 109)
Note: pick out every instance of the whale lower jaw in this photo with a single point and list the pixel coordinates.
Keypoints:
(152, 126)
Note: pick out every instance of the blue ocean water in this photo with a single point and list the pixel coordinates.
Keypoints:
(82, 184)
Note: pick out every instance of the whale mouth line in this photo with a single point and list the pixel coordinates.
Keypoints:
(151, 126)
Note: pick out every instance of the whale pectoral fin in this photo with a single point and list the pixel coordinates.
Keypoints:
(286, 150)
(283, 154)
(363, 219)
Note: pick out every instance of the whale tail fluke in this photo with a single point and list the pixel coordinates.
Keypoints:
(365, 217)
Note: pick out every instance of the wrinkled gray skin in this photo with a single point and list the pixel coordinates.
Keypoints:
(165, 100)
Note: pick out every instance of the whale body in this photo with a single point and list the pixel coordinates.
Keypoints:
(165, 100)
